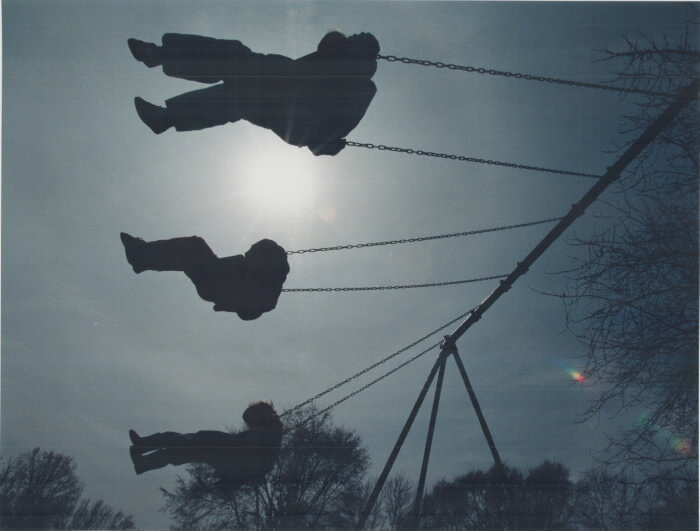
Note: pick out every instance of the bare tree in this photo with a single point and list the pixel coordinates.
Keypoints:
(89, 514)
(40, 490)
(320, 468)
(397, 500)
(673, 505)
(633, 297)
(547, 497)
(348, 510)
(391, 511)
(37, 489)
(502, 499)
(606, 500)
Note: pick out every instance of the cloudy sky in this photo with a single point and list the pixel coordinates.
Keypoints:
(89, 349)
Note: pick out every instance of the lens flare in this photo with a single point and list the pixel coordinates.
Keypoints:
(644, 420)
(579, 377)
(682, 445)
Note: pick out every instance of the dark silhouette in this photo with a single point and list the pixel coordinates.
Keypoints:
(312, 101)
(502, 499)
(247, 285)
(238, 459)
(40, 489)
(320, 466)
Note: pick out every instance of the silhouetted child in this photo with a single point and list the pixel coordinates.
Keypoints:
(248, 285)
(312, 101)
(241, 458)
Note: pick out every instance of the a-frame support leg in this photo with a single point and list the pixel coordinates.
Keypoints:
(448, 348)
(397, 447)
(429, 437)
(477, 409)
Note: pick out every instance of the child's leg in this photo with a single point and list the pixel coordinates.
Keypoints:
(202, 59)
(176, 254)
(202, 108)
(179, 254)
(158, 459)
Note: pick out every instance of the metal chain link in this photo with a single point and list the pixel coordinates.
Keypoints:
(469, 159)
(492, 72)
(370, 384)
(377, 364)
(422, 238)
(406, 286)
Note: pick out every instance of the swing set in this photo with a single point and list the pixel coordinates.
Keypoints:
(447, 346)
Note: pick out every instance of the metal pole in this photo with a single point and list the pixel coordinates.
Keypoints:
(477, 408)
(683, 98)
(397, 447)
(429, 438)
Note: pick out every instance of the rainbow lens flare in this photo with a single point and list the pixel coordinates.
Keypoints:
(682, 445)
(579, 377)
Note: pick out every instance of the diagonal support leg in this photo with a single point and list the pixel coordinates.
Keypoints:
(477, 409)
(429, 438)
(397, 447)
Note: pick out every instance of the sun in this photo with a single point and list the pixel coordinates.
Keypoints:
(282, 180)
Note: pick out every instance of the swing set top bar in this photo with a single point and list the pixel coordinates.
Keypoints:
(684, 97)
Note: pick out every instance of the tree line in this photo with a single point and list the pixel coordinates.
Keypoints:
(40, 489)
(320, 482)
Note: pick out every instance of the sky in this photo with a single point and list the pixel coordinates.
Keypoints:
(90, 349)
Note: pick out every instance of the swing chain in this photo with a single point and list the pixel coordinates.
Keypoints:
(492, 72)
(377, 364)
(469, 159)
(370, 384)
(377, 288)
(422, 238)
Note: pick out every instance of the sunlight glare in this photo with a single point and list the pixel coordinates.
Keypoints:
(279, 182)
